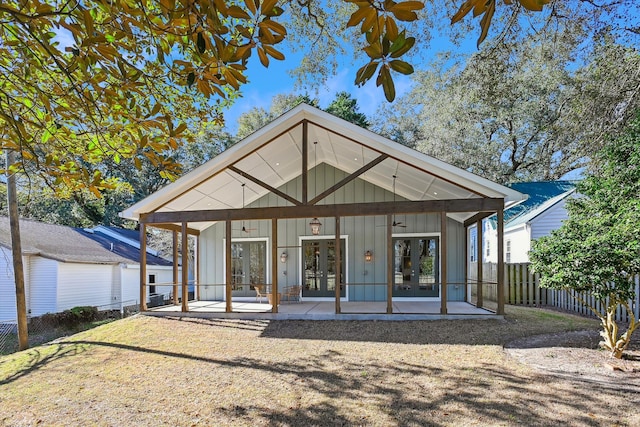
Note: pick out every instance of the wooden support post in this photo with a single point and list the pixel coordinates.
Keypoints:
(305, 162)
(500, 309)
(480, 247)
(227, 260)
(274, 265)
(185, 268)
(338, 265)
(175, 267)
(443, 262)
(143, 267)
(390, 259)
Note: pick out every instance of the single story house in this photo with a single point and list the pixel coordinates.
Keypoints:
(65, 267)
(337, 212)
(542, 212)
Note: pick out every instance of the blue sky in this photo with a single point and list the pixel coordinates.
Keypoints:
(265, 83)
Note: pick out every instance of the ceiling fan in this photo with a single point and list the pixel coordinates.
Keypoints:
(395, 223)
(245, 229)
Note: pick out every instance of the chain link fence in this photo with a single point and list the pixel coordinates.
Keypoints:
(51, 326)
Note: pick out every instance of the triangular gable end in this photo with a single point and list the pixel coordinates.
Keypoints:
(274, 155)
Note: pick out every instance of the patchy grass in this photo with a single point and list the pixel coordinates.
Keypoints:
(183, 371)
(44, 334)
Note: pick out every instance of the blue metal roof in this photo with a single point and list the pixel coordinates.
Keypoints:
(542, 195)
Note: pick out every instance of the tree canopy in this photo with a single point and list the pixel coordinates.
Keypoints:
(523, 111)
(597, 249)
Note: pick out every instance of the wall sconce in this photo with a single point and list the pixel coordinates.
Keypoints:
(368, 256)
(283, 257)
(315, 225)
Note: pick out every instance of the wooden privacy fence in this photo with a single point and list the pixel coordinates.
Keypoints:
(522, 287)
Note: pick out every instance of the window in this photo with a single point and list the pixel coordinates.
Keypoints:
(472, 249)
(488, 248)
(508, 250)
(152, 280)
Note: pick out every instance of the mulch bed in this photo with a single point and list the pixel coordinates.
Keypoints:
(577, 355)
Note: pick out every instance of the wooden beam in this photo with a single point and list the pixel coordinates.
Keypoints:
(318, 211)
(305, 161)
(143, 268)
(185, 268)
(235, 162)
(338, 266)
(480, 249)
(477, 217)
(175, 267)
(227, 260)
(274, 265)
(175, 227)
(500, 309)
(443, 262)
(390, 259)
(347, 179)
(266, 186)
(405, 161)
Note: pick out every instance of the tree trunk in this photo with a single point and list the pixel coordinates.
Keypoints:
(16, 250)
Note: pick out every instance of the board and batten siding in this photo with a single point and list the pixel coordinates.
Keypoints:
(83, 284)
(363, 233)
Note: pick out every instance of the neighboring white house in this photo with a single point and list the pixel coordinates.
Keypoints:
(542, 212)
(66, 267)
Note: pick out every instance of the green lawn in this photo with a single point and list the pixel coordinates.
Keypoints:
(186, 372)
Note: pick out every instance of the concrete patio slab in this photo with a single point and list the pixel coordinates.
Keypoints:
(247, 308)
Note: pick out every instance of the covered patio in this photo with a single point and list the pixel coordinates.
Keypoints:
(356, 223)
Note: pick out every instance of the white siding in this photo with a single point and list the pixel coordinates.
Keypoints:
(44, 275)
(490, 238)
(83, 284)
(116, 286)
(131, 282)
(520, 244)
(7, 286)
(551, 219)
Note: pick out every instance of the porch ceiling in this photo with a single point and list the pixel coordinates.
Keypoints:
(273, 155)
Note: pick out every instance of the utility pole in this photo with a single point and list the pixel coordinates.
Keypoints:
(16, 250)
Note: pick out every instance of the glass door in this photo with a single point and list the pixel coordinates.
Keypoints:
(248, 261)
(416, 267)
(319, 268)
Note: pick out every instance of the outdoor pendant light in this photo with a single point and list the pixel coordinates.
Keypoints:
(283, 257)
(315, 225)
(368, 256)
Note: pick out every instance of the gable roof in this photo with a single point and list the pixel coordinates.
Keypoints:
(128, 248)
(68, 244)
(273, 154)
(58, 242)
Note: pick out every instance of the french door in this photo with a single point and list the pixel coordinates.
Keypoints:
(416, 267)
(319, 268)
(248, 261)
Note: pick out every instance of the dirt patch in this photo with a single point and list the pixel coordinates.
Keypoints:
(577, 355)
